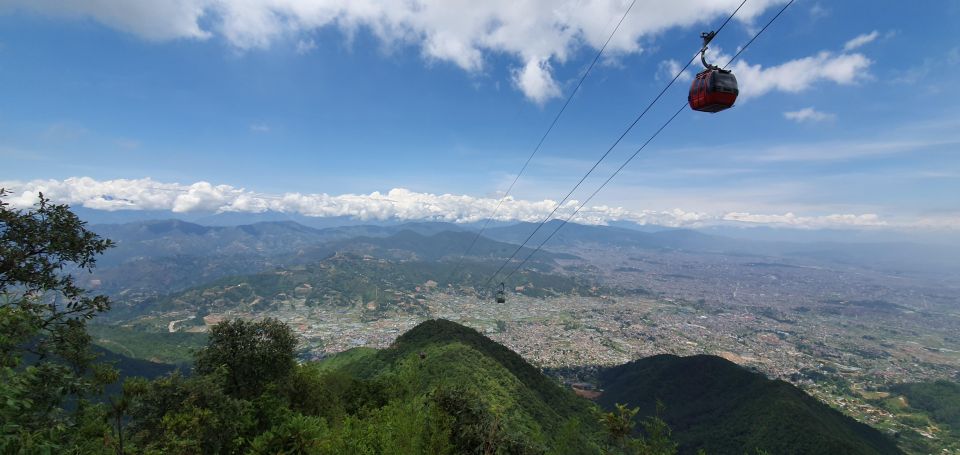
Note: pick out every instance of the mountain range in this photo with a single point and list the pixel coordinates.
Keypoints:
(189, 254)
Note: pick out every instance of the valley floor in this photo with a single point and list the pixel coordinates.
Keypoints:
(841, 359)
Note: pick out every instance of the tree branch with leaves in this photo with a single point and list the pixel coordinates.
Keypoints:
(45, 356)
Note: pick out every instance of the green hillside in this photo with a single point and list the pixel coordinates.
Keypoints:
(162, 347)
(941, 399)
(933, 407)
(455, 355)
(714, 404)
(440, 389)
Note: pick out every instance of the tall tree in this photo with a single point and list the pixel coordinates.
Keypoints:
(45, 356)
(254, 354)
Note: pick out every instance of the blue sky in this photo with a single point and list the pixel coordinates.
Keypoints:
(321, 98)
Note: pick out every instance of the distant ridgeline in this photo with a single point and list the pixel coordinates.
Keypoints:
(170, 256)
(348, 279)
(171, 264)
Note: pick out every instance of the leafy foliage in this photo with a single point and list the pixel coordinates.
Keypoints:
(46, 365)
(620, 424)
(454, 399)
(253, 354)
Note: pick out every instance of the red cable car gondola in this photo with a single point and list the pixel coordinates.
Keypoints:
(714, 89)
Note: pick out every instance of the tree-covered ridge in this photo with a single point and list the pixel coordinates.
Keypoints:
(447, 354)
(446, 395)
(445, 389)
(716, 405)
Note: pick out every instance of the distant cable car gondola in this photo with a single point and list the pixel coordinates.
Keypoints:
(714, 89)
(501, 294)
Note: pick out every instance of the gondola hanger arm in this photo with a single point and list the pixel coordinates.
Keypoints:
(707, 38)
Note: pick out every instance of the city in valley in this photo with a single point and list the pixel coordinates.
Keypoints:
(843, 334)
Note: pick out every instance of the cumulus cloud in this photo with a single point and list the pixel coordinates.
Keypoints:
(536, 33)
(396, 204)
(536, 82)
(797, 75)
(861, 40)
(808, 114)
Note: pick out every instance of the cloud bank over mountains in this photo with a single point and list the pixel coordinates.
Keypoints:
(397, 204)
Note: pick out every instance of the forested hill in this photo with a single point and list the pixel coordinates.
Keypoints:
(492, 386)
(716, 405)
(558, 403)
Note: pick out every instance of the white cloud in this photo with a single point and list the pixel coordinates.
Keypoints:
(808, 114)
(151, 20)
(306, 46)
(800, 74)
(398, 203)
(817, 11)
(260, 128)
(669, 68)
(861, 40)
(536, 82)
(536, 33)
